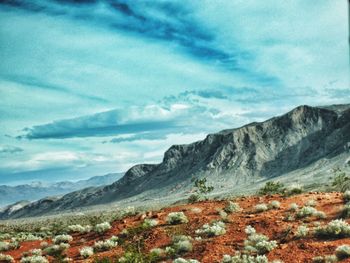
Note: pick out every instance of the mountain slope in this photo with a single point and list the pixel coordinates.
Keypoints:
(37, 190)
(229, 159)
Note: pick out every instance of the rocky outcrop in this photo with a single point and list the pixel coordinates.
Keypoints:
(257, 150)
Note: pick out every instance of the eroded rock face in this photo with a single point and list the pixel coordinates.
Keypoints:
(267, 149)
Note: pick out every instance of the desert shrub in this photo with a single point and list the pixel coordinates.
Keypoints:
(56, 250)
(79, 228)
(274, 204)
(4, 246)
(214, 229)
(34, 259)
(342, 252)
(175, 218)
(86, 252)
(306, 211)
(293, 207)
(272, 188)
(182, 244)
(148, 223)
(6, 258)
(325, 259)
(302, 231)
(201, 190)
(157, 252)
(105, 245)
(311, 202)
(294, 189)
(346, 196)
(320, 215)
(36, 252)
(62, 239)
(335, 228)
(261, 208)
(232, 207)
(346, 211)
(341, 182)
(102, 227)
(239, 258)
(258, 243)
(182, 260)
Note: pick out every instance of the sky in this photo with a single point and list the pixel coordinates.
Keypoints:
(90, 87)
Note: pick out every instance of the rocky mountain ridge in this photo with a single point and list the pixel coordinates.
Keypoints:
(230, 159)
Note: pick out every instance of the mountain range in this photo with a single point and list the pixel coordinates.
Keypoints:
(37, 190)
(302, 146)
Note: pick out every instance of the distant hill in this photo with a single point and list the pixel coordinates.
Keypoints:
(38, 190)
(302, 146)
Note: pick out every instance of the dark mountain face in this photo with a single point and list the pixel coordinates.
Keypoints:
(258, 150)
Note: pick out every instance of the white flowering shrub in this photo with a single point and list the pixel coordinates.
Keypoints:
(105, 245)
(310, 202)
(274, 204)
(335, 228)
(346, 196)
(302, 231)
(239, 258)
(346, 211)
(261, 208)
(214, 229)
(4, 245)
(325, 259)
(103, 227)
(86, 252)
(232, 207)
(34, 259)
(56, 250)
(293, 207)
(148, 223)
(175, 218)
(320, 215)
(80, 228)
(182, 244)
(182, 260)
(258, 243)
(342, 252)
(6, 258)
(62, 239)
(36, 252)
(306, 211)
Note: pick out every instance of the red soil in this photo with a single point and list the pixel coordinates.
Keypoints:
(211, 250)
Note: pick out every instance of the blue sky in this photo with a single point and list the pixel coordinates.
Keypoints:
(91, 87)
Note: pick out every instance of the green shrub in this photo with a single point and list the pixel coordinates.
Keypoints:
(343, 252)
(346, 196)
(62, 239)
(306, 211)
(302, 231)
(34, 259)
(258, 243)
(102, 227)
(272, 188)
(261, 208)
(182, 260)
(201, 190)
(325, 259)
(175, 218)
(214, 229)
(335, 229)
(232, 207)
(86, 252)
(341, 182)
(239, 258)
(274, 204)
(6, 258)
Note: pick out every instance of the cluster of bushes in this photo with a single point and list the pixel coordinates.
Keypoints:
(102, 227)
(274, 204)
(182, 260)
(216, 228)
(258, 243)
(232, 207)
(242, 258)
(341, 252)
(279, 188)
(336, 228)
(6, 258)
(79, 228)
(4, 245)
(175, 218)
